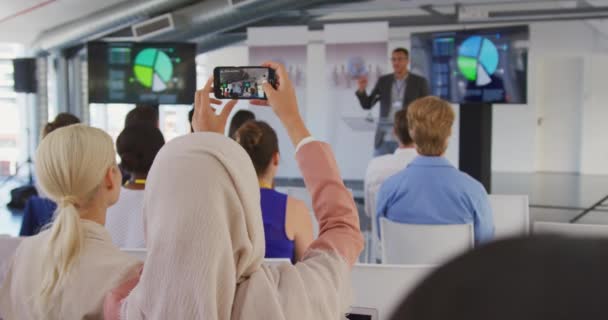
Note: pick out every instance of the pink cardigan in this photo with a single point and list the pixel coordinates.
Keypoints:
(334, 208)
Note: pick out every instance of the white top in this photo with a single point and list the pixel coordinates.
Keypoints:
(381, 168)
(101, 267)
(124, 220)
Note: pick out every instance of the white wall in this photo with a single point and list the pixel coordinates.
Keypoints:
(594, 145)
(516, 134)
(559, 132)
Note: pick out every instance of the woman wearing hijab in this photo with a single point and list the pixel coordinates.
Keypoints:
(205, 236)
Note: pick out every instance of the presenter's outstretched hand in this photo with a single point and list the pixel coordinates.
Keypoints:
(284, 103)
(362, 83)
(205, 119)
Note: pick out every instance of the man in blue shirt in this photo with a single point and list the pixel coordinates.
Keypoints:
(430, 190)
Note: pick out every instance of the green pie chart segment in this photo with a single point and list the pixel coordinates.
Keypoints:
(144, 75)
(153, 69)
(468, 67)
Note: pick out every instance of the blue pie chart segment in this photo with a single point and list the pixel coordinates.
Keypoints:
(488, 56)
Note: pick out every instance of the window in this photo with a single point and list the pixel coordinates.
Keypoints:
(173, 119)
(12, 130)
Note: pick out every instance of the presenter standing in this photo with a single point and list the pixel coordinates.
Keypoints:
(395, 91)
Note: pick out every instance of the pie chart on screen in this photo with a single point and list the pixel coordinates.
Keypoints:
(478, 59)
(153, 69)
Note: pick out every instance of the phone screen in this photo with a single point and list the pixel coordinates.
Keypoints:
(241, 82)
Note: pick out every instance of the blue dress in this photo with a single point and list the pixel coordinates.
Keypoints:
(38, 212)
(274, 211)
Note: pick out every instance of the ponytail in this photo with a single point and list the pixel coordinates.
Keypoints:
(261, 143)
(62, 250)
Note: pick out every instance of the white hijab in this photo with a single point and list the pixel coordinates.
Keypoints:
(205, 241)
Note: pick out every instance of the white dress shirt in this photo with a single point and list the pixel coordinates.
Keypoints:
(125, 221)
(381, 168)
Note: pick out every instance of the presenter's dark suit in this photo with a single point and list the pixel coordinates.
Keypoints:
(416, 87)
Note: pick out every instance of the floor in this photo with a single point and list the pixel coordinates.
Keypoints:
(554, 197)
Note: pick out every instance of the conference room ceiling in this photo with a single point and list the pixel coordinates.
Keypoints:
(35, 22)
(21, 21)
(440, 12)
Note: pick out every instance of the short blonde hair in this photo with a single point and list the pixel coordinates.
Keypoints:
(430, 121)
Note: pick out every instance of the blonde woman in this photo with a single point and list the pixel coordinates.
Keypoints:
(64, 272)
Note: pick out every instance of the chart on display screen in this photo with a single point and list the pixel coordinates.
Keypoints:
(488, 65)
(153, 69)
(147, 73)
(478, 59)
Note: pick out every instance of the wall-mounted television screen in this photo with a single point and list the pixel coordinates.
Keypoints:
(129, 72)
(475, 65)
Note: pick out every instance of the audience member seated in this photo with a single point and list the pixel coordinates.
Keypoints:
(538, 278)
(137, 147)
(39, 210)
(143, 114)
(65, 271)
(382, 167)
(239, 118)
(431, 190)
(206, 236)
(287, 221)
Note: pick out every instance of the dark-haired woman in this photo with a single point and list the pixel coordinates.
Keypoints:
(39, 210)
(238, 120)
(287, 222)
(137, 147)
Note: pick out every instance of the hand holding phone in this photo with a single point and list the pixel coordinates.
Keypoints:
(205, 118)
(242, 83)
(282, 99)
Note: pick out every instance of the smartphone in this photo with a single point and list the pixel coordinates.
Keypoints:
(358, 313)
(241, 82)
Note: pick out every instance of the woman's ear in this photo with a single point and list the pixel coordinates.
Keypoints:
(276, 158)
(112, 178)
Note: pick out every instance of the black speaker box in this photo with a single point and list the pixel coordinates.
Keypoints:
(24, 75)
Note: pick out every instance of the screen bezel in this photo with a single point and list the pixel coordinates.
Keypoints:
(216, 81)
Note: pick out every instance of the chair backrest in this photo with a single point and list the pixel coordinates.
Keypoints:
(139, 253)
(373, 252)
(383, 287)
(423, 244)
(571, 229)
(511, 215)
(8, 245)
(276, 261)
